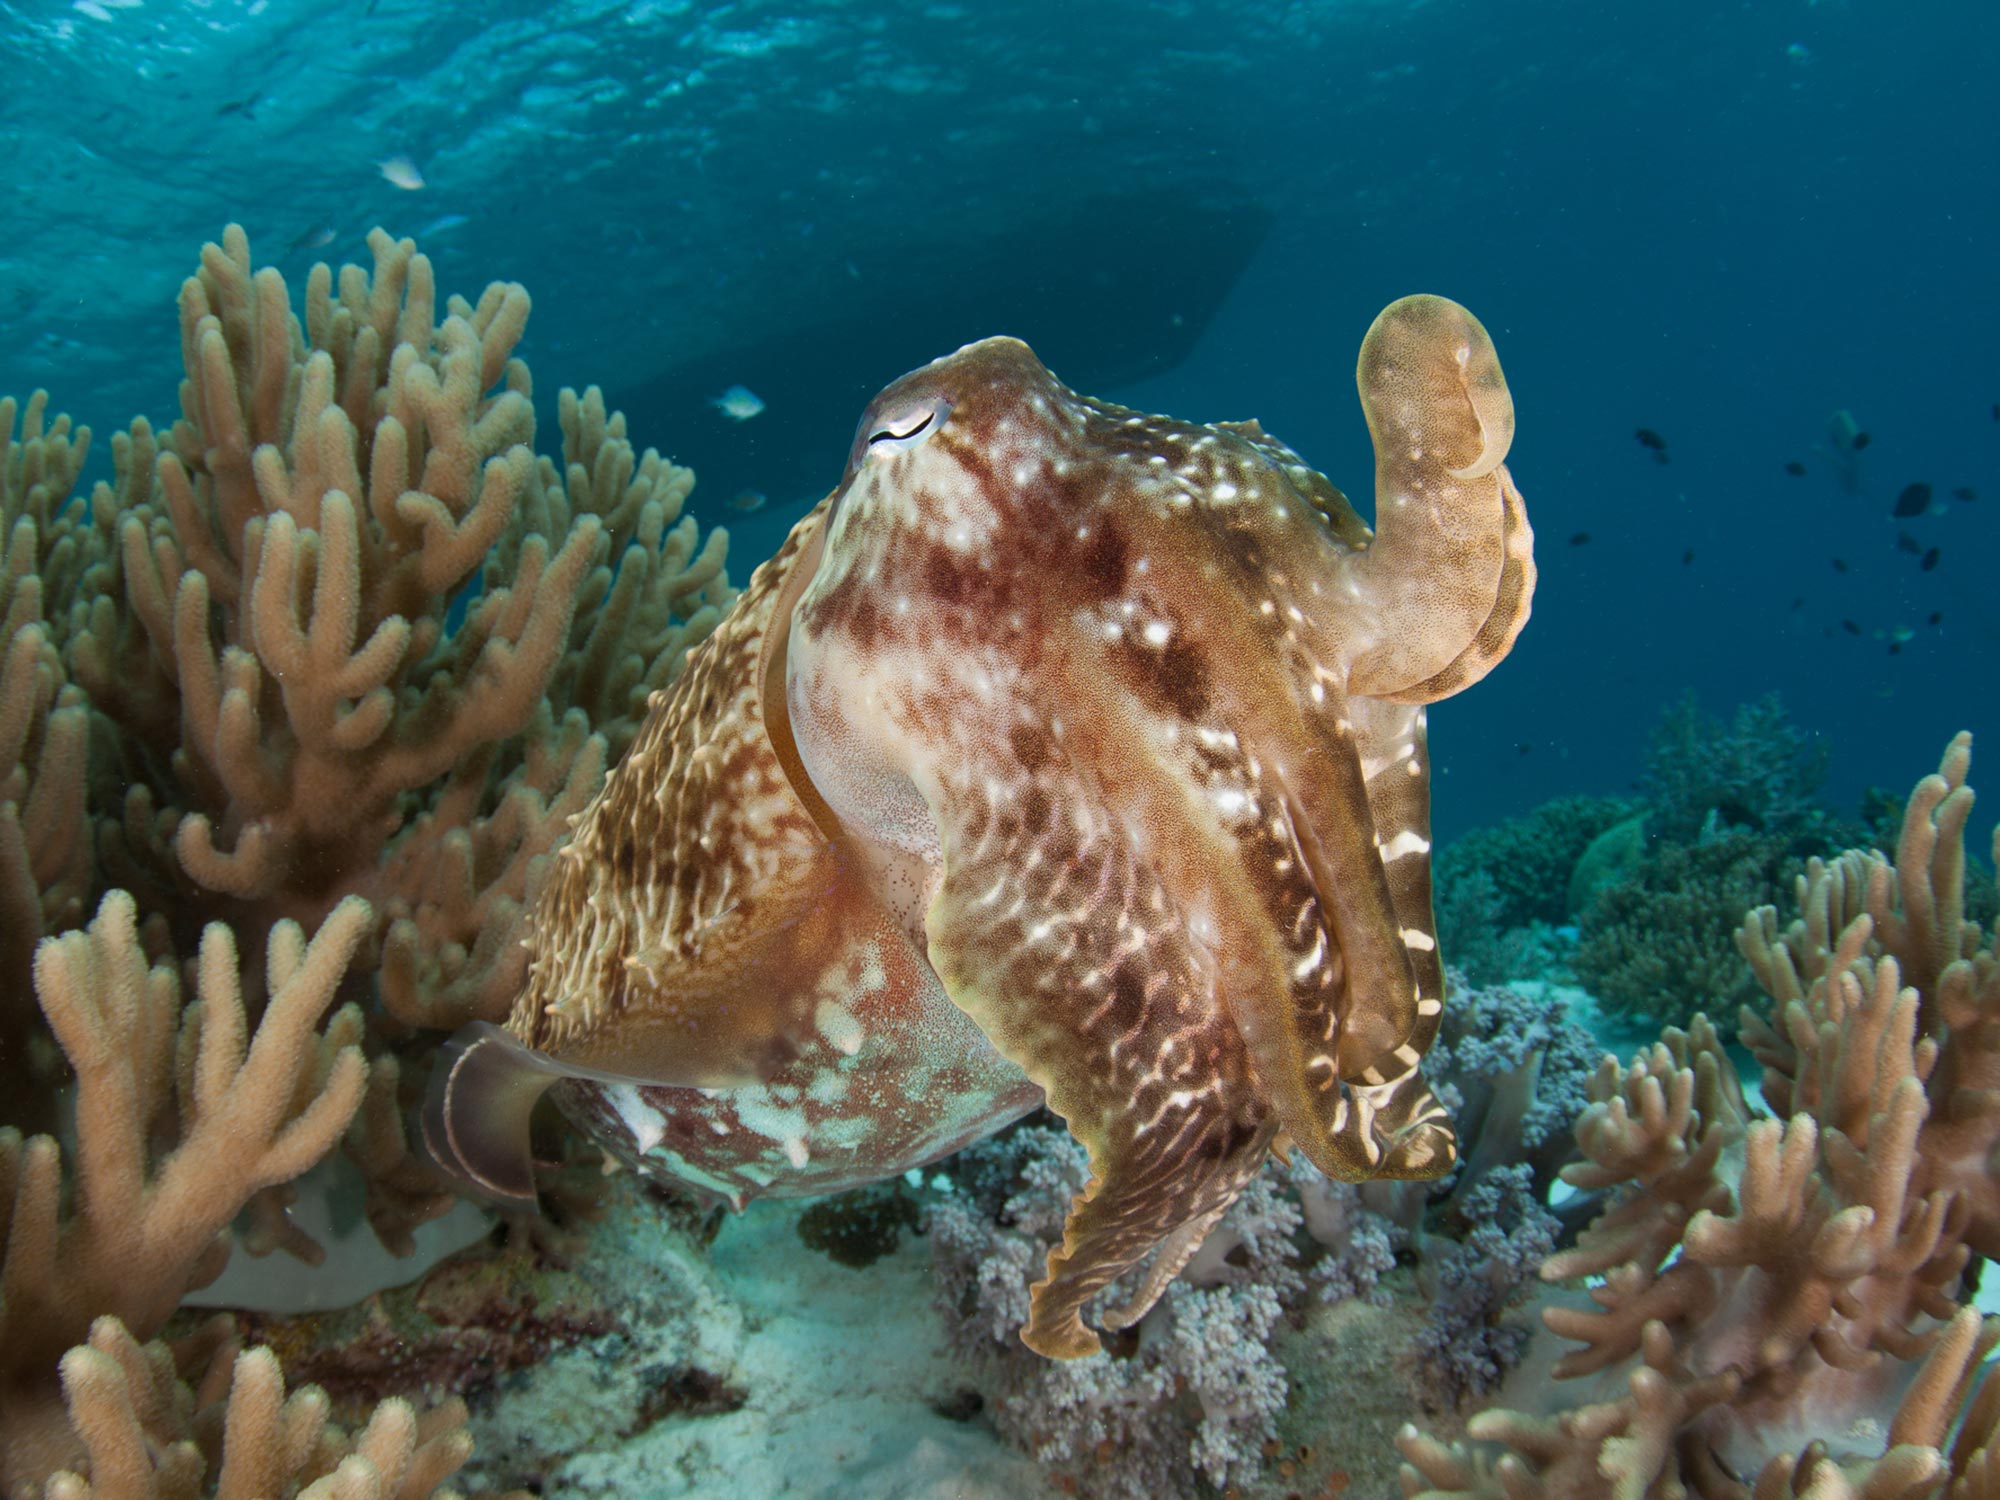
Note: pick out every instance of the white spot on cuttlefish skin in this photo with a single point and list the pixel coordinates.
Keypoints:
(839, 1027)
(1409, 841)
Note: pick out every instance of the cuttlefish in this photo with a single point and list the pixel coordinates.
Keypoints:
(1063, 754)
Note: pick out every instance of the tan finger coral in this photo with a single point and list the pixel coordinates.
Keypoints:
(336, 648)
(293, 608)
(45, 866)
(355, 610)
(348, 636)
(1774, 1304)
(141, 1226)
(150, 1436)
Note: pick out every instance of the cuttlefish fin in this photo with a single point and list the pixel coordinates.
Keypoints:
(1108, 1006)
(476, 1112)
(685, 925)
(479, 1107)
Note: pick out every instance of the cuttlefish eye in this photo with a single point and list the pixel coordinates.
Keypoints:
(902, 427)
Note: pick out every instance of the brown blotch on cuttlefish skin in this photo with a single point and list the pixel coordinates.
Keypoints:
(1065, 753)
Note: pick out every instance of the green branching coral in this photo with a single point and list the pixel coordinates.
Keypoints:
(1497, 885)
(1758, 772)
(1662, 945)
(1527, 859)
(1730, 819)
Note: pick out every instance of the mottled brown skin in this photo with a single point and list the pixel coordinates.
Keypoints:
(1107, 730)
(724, 989)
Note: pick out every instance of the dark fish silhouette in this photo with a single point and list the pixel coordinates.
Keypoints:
(1798, 604)
(1850, 627)
(1847, 438)
(1795, 469)
(1915, 499)
(1839, 566)
(1580, 539)
(1937, 617)
(1687, 557)
(1966, 493)
(1653, 443)
(1930, 560)
(1907, 543)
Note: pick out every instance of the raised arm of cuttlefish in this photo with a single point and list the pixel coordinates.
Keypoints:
(1064, 752)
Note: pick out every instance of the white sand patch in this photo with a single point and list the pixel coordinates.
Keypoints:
(838, 1370)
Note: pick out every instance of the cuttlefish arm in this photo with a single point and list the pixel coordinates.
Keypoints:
(1450, 572)
(1102, 673)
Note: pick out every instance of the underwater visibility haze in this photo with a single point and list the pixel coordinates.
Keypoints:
(955, 750)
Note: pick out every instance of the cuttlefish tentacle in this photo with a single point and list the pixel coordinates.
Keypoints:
(1449, 574)
(1383, 999)
(1339, 1002)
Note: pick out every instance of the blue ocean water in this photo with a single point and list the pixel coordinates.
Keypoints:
(1715, 224)
(1722, 222)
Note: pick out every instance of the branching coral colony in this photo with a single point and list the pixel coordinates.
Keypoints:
(230, 689)
(1775, 1303)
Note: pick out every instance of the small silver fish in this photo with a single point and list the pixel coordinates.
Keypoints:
(744, 502)
(739, 403)
(402, 173)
